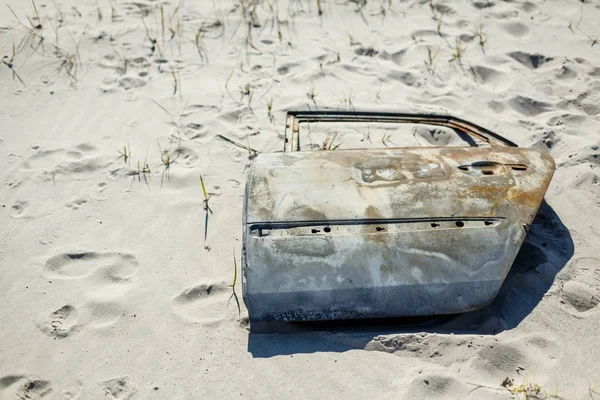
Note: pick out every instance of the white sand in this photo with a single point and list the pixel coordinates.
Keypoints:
(106, 287)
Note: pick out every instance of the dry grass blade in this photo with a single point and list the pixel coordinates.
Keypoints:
(238, 144)
(311, 95)
(482, 39)
(270, 109)
(206, 196)
(10, 64)
(232, 286)
(430, 59)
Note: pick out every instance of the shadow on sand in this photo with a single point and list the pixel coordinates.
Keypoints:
(546, 250)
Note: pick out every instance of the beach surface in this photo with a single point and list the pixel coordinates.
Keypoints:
(115, 278)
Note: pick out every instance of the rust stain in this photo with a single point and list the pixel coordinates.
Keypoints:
(529, 199)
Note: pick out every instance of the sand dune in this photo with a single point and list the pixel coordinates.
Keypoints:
(115, 280)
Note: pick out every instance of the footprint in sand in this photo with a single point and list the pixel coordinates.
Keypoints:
(101, 276)
(530, 353)
(31, 209)
(112, 280)
(515, 29)
(582, 292)
(186, 156)
(203, 303)
(76, 203)
(97, 191)
(121, 388)
(528, 106)
(73, 391)
(60, 323)
(434, 386)
(24, 387)
(76, 265)
(77, 163)
(482, 353)
(438, 348)
(531, 61)
(12, 184)
(131, 82)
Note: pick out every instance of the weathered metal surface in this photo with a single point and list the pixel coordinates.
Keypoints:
(380, 233)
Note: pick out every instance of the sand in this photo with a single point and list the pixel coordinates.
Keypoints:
(108, 286)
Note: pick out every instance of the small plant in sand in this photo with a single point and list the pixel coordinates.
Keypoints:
(125, 154)
(34, 30)
(251, 152)
(480, 34)
(434, 11)
(68, 61)
(9, 62)
(525, 391)
(348, 99)
(458, 52)
(473, 73)
(386, 139)
(593, 41)
(176, 83)
(528, 390)
(141, 172)
(202, 53)
(114, 16)
(592, 391)
(430, 59)
(270, 109)
(311, 95)
(232, 286)
(367, 136)
(124, 60)
(227, 86)
(245, 91)
(167, 160)
(154, 46)
(328, 143)
(206, 196)
(360, 5)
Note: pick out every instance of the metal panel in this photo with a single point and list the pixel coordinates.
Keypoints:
(392, 232)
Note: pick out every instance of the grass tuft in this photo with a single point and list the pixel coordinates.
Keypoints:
(328, 143)
(167, 160)
(125, 154)
(458, 52)
(386, 139)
